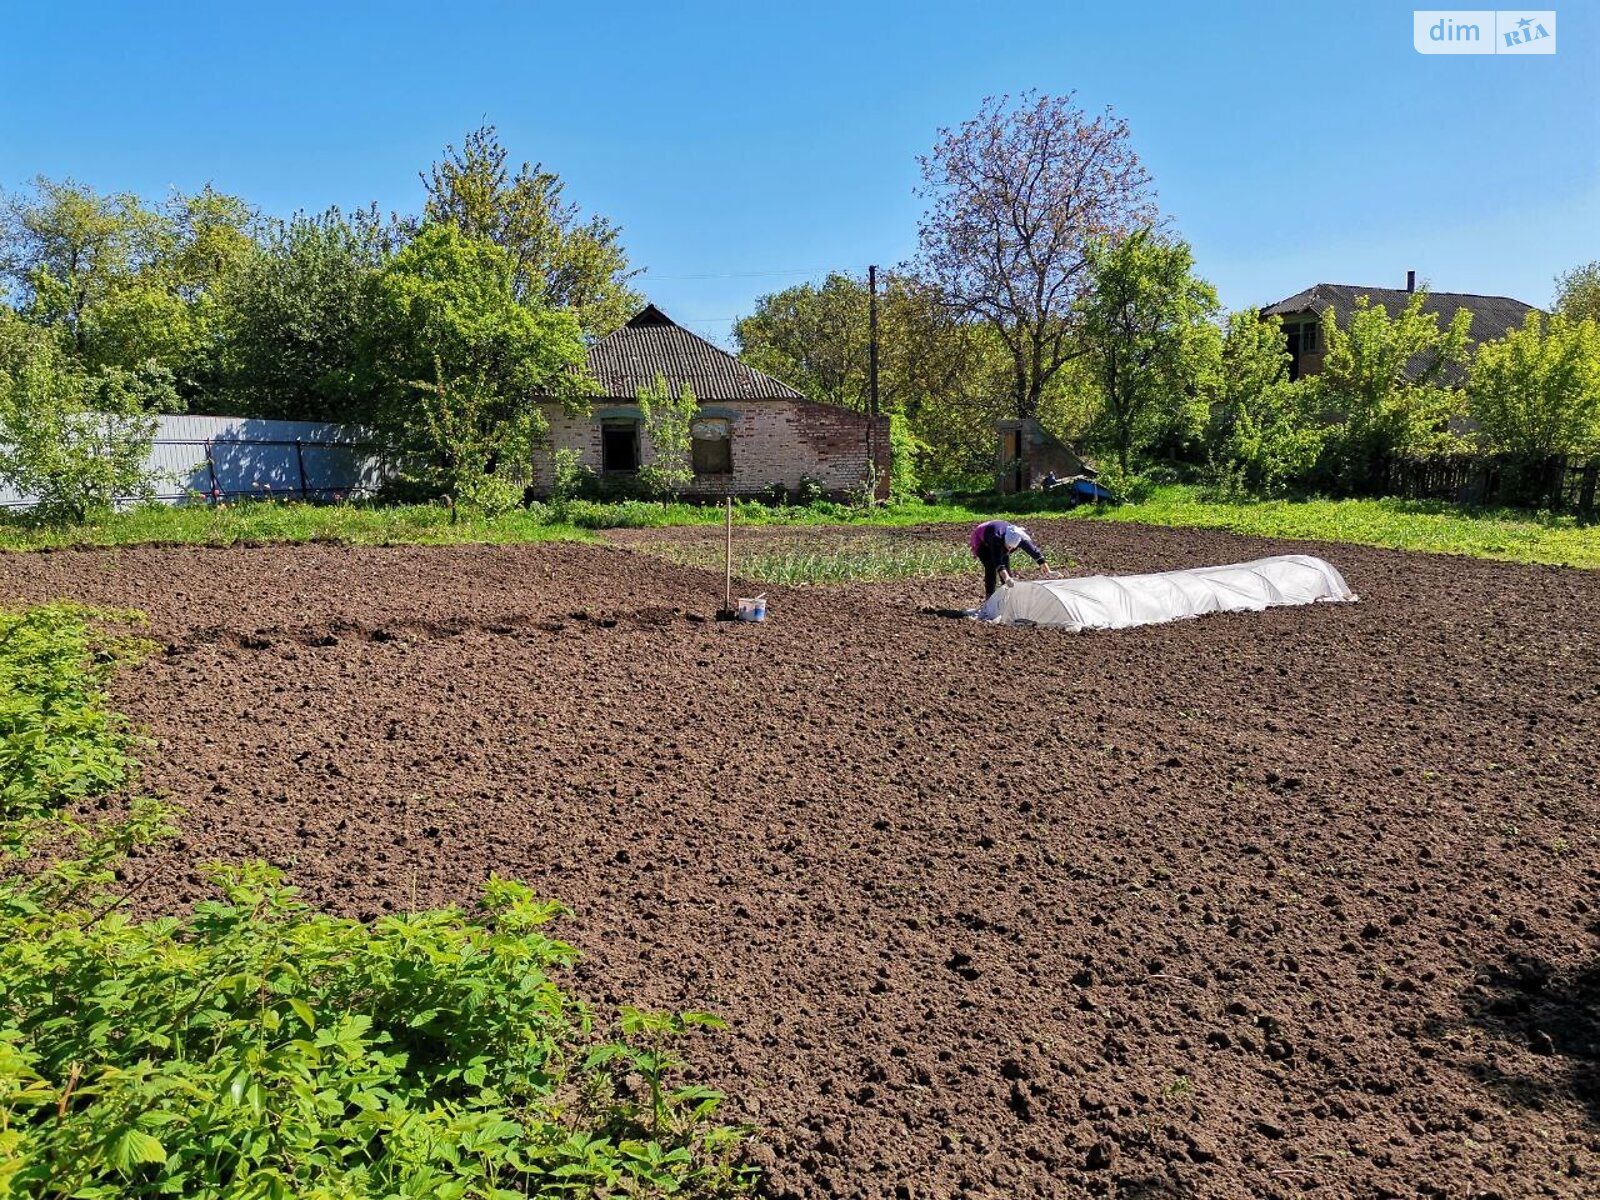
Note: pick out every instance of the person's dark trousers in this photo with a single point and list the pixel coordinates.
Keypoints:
(991, 570)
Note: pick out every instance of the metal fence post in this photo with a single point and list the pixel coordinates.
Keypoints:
(211, 465)
(300, 461)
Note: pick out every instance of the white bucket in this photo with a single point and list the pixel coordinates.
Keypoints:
(751, 608)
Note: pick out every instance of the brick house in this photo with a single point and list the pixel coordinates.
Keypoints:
(1302, 314)
(751, 430)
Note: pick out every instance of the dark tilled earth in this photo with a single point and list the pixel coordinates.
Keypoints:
(1305, 901)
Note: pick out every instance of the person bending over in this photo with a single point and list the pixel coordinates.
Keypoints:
(992, 544)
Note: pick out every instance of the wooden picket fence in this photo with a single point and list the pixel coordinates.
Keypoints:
(1558, 484)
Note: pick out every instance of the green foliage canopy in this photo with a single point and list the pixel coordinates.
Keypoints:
(1535, 393)
(461, 363)
(558, 259)
(1264, 433)
(1578, 293)
(1148, 330)
(1379, 387)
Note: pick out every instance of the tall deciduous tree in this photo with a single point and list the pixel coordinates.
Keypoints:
(297, 321)
(130, 286)
(1578, 292)
(174, 310)
(557, 256)
(463, 363)
(814, 338)
(1380, 387)
(1535, 393)
(1264, 433)
(1019, 197)
(943, 376)
(1147, 327)
(65, 248)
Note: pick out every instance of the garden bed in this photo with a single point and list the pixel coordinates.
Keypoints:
(1255, 905)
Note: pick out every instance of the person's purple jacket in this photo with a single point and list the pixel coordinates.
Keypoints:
(988, 543)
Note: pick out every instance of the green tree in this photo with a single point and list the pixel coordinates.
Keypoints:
(945, 377)
(462, 364)
(174, 310)
(1148, 330)
(668, 423)
(558, 258)
(814, 338)
(298, 317)
(1380, 387)
(129, 284)
(77, 441)
(65, 247)
(1578, 293)
(1264, 433)
(1535, 393)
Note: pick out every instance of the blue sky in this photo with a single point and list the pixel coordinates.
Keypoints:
(746, 147)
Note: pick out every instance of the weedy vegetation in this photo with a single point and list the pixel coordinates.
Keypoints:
(1513, 535)
(255, 1048)
(853, 560)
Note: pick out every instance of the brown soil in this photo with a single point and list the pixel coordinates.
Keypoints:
(1305, 901)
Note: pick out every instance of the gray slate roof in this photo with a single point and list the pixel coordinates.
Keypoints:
(1492, 316)
(652, 344)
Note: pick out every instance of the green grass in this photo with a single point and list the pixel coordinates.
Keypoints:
(1511, 535)
(1434, 527)
(288, 521)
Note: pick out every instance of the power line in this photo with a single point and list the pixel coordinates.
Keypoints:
(836, 267)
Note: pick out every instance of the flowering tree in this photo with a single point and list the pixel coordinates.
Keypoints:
(1020, 196)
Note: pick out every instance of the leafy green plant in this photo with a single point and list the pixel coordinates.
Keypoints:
(76, 441)
(59, 740)
(811, 491)
(668, 422)
(1535, 393)
(255, 1048)
(1381, 388)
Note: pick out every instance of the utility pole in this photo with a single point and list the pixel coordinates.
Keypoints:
(872, 339)
(872, 371)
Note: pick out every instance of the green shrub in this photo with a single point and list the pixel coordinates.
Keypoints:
(1132, 487)
(255, 1048)
(77, 441)
(59, 740)
(905, 450)
(811, 491)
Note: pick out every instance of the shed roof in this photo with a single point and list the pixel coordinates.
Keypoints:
(651, 344)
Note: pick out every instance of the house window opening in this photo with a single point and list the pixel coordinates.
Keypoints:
(619, 446)
(712, 447)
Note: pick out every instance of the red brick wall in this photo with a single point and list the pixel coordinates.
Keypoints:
(774, 441)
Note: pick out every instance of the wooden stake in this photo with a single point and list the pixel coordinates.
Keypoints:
(727, 589)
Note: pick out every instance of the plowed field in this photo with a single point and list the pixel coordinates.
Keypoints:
(1299, 902)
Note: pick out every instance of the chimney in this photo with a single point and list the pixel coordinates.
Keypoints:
(1411, 281)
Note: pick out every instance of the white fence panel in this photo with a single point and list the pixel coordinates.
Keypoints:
(224, 458)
